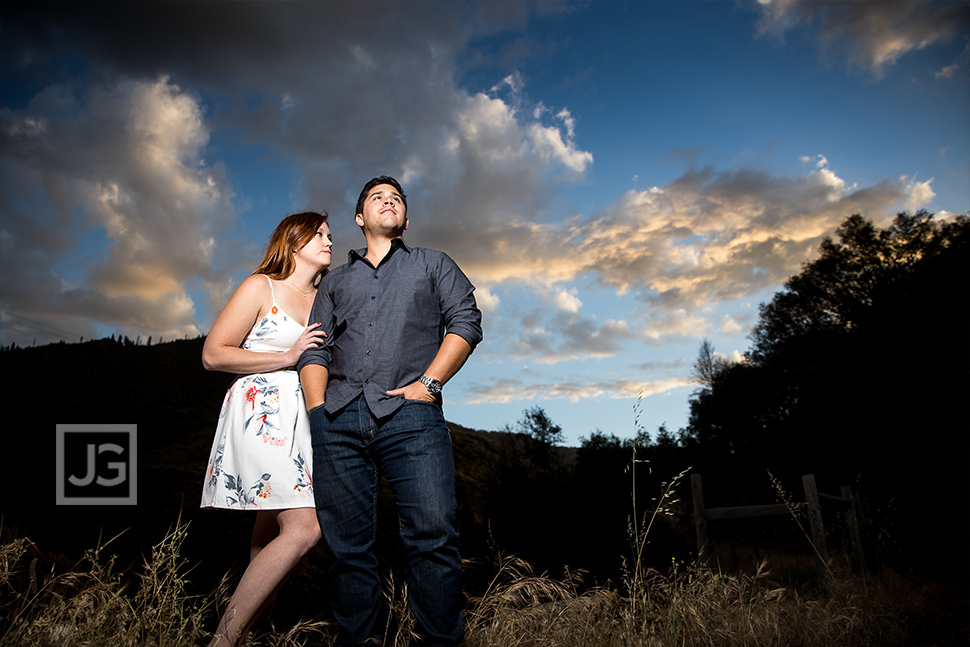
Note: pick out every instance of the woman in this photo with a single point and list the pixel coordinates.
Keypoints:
(261, 455)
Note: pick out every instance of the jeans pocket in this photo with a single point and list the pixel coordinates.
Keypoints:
(319, 407)
(436, 404)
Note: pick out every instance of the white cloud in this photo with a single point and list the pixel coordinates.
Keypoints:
(487, 301)
(566, 300)
(566, 337)
(547, 326)
(573, 390)
(568, 121)
(124, 159)
(729, 326)
(869, 35)
(678, 323)
(514, 83)
(550, 145)
(920, 193)
(948, 72)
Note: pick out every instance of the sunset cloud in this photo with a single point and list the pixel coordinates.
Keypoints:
(868, 35)
(576, 390)
(123, 162)
(709, 235)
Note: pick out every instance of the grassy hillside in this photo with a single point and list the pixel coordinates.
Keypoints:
(568, 516)
(174, 402)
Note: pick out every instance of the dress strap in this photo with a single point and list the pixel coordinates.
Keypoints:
(271, 292)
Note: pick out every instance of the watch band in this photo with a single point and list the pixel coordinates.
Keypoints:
(434, 386)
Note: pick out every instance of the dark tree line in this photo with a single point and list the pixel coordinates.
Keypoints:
(574, 508)
(858, 372)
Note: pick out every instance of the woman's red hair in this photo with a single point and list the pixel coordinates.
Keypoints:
(290, 236)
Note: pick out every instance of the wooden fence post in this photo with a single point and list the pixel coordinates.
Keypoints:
(847, 503)
(852, 521)
(700, 518)
(815, 519)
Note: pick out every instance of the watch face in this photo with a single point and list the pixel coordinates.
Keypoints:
(434, 386)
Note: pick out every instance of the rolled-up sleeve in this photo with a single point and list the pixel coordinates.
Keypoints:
(458, 306)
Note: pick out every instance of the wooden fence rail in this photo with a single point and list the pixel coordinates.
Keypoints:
(847, 504)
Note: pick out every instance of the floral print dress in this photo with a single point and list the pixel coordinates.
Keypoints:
(261, 455)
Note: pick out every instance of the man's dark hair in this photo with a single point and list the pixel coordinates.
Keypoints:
(383, 179)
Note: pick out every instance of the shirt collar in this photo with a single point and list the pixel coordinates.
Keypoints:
(355, 254)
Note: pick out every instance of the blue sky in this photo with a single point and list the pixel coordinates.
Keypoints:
(620, 180)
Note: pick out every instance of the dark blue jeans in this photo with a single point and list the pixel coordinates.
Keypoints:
(412, 448)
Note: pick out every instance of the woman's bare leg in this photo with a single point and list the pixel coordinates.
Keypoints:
(265, 530)
(270, 564)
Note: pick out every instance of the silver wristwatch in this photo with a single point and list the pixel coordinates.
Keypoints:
(434, 386)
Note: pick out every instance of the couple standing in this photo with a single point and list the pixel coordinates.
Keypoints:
(390, 327)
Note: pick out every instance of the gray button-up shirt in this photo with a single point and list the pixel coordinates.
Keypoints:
(384, 325)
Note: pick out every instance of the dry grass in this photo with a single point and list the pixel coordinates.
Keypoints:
(522, 608)
(96, 606)
(691, 605)
(91, 605)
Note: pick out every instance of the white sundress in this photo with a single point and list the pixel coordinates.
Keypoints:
(261, 455)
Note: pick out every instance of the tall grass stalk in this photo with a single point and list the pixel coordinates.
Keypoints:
(96, 605)
(639, 530)
(796, 511)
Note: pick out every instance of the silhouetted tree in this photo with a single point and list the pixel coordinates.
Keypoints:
(539, 426)
(837, 292)
(543, 433)
(857, 373)
(709, 366)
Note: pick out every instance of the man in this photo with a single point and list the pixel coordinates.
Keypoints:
(401, 321)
